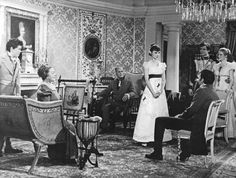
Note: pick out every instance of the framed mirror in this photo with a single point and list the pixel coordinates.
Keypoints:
(92, 47)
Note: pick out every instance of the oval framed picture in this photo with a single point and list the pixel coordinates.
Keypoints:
(92, 47)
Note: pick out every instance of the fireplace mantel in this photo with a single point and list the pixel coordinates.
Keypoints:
(29, 84)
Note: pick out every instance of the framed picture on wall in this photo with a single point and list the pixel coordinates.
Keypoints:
(23, 29)
(74, 97)
(24, 26)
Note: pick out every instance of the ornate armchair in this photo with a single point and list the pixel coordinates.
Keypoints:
(39, 122)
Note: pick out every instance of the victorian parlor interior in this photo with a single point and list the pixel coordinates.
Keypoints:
(84, 41)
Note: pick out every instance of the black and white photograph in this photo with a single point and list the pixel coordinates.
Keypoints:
(118, 88)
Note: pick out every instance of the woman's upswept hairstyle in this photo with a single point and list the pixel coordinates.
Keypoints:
(154, 47)
(227, 53)
(43, 71)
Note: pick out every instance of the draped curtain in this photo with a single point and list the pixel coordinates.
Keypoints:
(231, 38)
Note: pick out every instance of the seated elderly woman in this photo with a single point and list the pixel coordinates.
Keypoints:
(64, 152)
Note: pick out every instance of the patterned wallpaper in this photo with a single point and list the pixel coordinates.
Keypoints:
(62, 37)
(120, 41)
(125, 41)
(62, 34)
(139, 45)
(212, 32)
(125, 44)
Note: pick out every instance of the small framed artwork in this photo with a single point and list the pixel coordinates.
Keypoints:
(24, 29)
(74, 97)
(60, 90)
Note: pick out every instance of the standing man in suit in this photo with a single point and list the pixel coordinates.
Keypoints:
(120, 90)
(192, 119)
(202, 61)
(10, 80)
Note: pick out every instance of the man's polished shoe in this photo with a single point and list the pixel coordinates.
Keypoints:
(154, 156)
(13, 150)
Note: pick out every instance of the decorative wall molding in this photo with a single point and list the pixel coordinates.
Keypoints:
(20, 5)
(159, 9)
(93, 25)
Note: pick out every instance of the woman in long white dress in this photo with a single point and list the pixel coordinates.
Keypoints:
(224, 82)
(153, 102)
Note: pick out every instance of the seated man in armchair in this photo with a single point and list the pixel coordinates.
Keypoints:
(115, 98)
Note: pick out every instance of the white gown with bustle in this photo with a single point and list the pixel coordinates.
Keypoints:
(150, 108)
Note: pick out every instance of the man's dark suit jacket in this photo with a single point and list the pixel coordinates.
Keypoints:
(197, 113)
(118, 93)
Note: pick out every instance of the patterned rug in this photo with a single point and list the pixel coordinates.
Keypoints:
(122, 158)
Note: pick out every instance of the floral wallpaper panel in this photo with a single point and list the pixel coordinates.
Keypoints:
(212, 32)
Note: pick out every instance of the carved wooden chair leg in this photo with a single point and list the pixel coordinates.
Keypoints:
(36, 157)
(178, 146)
